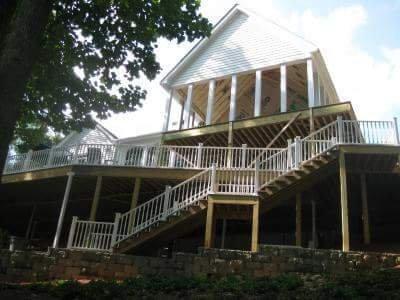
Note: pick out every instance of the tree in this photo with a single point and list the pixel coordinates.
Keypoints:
(44, 43)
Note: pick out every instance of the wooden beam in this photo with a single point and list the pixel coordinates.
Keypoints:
(298, 220)
(295, 117)
(254, 227)
(365, 213)
(136, 191)
(343, 203)
(96, 197)
(209, 224)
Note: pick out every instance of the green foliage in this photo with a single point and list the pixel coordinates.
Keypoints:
(102, 39)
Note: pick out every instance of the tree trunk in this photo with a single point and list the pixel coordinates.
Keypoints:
(19, 48)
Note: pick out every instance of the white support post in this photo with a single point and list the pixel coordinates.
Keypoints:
(289, 155)
(232, 106)
(172, 158)
(50, 158)
(115, 229)
(297, 152)
(210, 101)
(167, 111)
(27, 161)
(244, 155)
(257, 176)
(318, 89)
(188, 106)
(283, 89)
(166, 201)
(181, 121)
(310, 83)
(214, 186)
(72, 232)
(257, 94)
(396, 131)
(199, 152)
(63, 209)
(145, 156)
(340, 129)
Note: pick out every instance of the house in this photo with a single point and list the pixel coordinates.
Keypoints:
(265, 153)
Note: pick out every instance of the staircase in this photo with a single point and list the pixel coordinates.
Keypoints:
(272, 175)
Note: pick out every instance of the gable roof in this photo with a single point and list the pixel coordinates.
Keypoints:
(241, 41)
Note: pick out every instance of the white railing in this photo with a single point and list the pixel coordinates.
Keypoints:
(261, 167)
(187, 157)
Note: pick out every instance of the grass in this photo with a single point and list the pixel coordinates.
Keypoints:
(367, 285)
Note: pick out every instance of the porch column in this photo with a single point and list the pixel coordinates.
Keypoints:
(232, 106)
(298, 220)
(343, 203)
(63, 209)
(317, 89)
(254, 227)
(310, 83)
(208, 239)
(210, 101)
(96, 198)
(257, 94)
(180, 124)
(135, 194)
(365, 214)
(314, 223)
(188, 106)
(283, 89)
(167, 111)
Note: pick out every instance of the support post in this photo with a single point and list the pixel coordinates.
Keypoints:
(166, 201)
(314, 224)
(145, 156)
(51, 157)
(340, 130)
(223, 233)
(232, 106)
(29, 228)
(136, 191)
(208, 238)
(290, 154)
(254, 227)
(181, 120)
(230, 144)
(257, 94)
(214, 184)
(27, 161)
(365, 214)
(115, 229)
(283, 89)
(244, 155)
(343, 203)
(310, 83)
(63, 210)
(298, 220)
(257, 175)
(167, 112)
(199, 155)
(96, 198)
(210, 101)
(188, 106)
(396, 131)
(297, 152)
(72, 232)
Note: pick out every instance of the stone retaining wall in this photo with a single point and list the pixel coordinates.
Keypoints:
(20, 266)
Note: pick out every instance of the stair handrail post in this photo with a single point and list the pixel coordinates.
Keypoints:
(340, 129)
(289, 154)
(28, 160)
(257, 175)
(72, 232)
(115, 229)
(199, 155)
(172, 157)
(297, 152)
(396, 131)
(145, 156)
(166, 202)
(244, 155)
(213, 178)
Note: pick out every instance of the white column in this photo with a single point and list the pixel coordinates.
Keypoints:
(232, 107)
(63, 210)
(167, 111)
(310, 83)
(283, 89)
(210, 101)
(188, 106)
(318, 90)
(180, 124)
(257, 94)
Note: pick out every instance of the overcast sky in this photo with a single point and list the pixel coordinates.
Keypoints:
(360, 41)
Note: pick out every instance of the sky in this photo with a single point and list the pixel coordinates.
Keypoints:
(359, 40)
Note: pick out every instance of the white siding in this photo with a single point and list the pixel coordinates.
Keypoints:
(87, 136)
(243, 44)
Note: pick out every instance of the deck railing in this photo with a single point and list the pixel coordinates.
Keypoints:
(186, 157)
(261, 166)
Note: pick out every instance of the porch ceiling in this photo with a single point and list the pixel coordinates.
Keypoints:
(258, 132)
